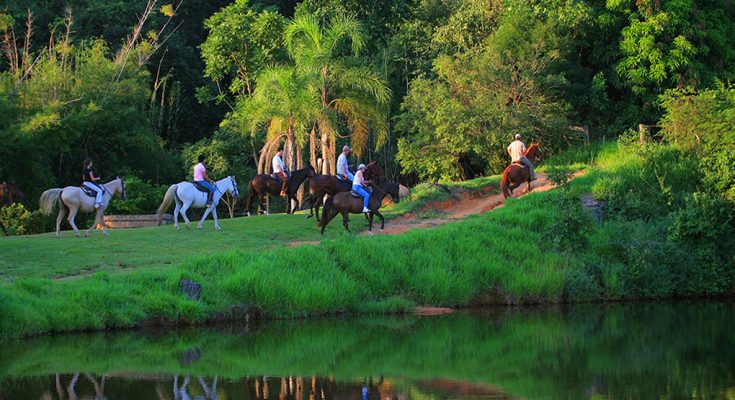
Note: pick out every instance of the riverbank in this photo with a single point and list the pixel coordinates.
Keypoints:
(542, 248)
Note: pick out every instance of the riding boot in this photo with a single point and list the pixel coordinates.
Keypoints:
(284, 184)
(209, 199)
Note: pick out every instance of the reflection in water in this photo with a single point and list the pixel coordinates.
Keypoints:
(624, 351)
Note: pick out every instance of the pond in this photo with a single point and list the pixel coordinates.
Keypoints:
(623, 351)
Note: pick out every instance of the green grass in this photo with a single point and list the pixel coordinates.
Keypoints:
(502, 257)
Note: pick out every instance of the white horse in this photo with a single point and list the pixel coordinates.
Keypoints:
(186, 195)
(73, 200)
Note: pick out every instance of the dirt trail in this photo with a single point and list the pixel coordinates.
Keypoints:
(469, 203)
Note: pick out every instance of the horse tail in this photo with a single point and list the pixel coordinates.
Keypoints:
(505, 183)
(169, 198)
(326, 210)
(251, 193)
(49, 199)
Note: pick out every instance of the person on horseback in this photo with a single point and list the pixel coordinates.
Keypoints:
(201, 178)
(280, 170)
(359, 184)
(517, 151)
(89, 180)
(342, 171)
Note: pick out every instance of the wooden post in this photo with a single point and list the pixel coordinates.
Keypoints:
(642, 129)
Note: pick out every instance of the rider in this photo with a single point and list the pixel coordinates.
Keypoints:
(201, 177)
(342, 171)
(359, 184)
(517, 151)
(89, 180)
(280, 170)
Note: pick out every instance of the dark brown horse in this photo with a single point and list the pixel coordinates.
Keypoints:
(264, 184)
(9, 194)
(346, 204)
(322, 185)
(515, 174)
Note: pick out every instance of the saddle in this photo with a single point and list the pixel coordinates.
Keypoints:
(277, 178)
(355, 194)
(519, 164)
(342, 178)
(89, 192)
(200, 187)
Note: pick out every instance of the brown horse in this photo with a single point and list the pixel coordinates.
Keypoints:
(9, 194)
(516, 173)
(321, 185)
(264, 184)
(346, 204)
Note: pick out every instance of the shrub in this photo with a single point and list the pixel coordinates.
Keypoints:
(20, 221)
(142, 197)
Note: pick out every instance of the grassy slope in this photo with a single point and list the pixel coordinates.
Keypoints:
(500, 257)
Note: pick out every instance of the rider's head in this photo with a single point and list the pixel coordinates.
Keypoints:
(361, 167)
(346, 149)
(87, 163)
(202, 158)
(518, 136)
(280, 151)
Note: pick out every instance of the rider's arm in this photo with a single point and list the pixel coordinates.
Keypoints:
(92, 177)
(207, 178)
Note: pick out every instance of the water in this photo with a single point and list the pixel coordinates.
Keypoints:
(654, 351)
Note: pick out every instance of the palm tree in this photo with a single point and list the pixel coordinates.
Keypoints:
(355, 94)
(284, 102)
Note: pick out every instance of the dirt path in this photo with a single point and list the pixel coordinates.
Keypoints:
(469, 203)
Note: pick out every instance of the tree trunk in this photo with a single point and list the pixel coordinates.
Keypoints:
(325, 152)
(312, 147)
(331, 155)
(300, 164)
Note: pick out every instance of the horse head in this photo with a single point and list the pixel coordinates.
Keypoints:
(374, 170)
(235, 191)
(123, 194)
(533, 153)
(311, 171)
(10, 193)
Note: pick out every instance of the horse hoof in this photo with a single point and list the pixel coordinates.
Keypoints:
(86, 234)
(247, 213)
(177, 227)
(307, 217)
(199, 228)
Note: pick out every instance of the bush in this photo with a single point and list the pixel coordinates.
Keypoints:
(142, 197)
(19, 221)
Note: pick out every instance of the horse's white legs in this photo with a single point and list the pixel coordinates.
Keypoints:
(216, 221)
(206, 214)
(62, 213)
(184, 208)
(72, 214)
(177, 209)
(98, 220)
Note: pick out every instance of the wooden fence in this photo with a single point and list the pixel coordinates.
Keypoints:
(137, 221)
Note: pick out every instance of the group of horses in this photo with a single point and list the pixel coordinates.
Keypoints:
(340, 200)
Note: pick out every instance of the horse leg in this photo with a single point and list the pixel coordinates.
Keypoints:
(330, 216)
(370, 223)
(216, 221)
(72, 214)
(62, 214)
(177, 209)
(184, 208)
(529, 186)
(317, 205)
(382, 219)
(513, 186)
(95, 222)
(346, 220)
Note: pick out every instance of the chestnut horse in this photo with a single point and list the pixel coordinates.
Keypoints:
(516, 173)
(263, 184)
(346, 204)
(321, 185)
(9, 194)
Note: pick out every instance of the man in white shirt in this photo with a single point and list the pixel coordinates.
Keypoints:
(343, 171)
(517, 152)
(280, 170)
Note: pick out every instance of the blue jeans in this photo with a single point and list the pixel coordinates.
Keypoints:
(207, 185)
(364, 193)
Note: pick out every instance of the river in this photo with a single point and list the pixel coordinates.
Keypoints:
(621, 351)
